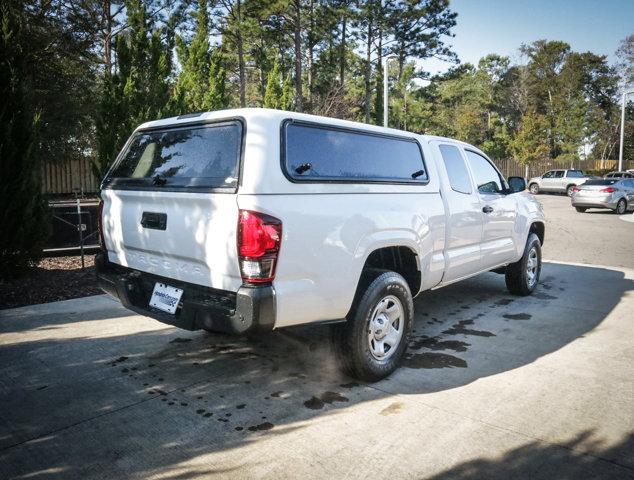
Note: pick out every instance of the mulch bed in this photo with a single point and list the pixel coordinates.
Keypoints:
(53, 279)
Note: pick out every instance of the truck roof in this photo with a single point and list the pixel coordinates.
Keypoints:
(268, 114)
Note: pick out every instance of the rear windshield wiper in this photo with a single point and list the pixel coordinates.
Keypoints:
(158, 181)
(304, 167)
(418, 173)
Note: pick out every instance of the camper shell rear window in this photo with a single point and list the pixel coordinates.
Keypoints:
(200, 157)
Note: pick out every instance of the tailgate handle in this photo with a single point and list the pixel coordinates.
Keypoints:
(154, 220)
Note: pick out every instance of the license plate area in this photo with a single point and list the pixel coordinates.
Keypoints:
(165, 297)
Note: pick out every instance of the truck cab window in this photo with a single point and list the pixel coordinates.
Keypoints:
(486, 176)
(456, 169)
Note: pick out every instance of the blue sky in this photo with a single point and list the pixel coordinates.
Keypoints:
(497, 26)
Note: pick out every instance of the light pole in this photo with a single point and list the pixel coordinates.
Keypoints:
(385, 88)
(625, 94)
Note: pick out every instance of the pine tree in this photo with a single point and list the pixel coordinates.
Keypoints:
(139, 89)
(216, 97)
(273, 94)
(288, 94)
(25, 219)
(193, 81)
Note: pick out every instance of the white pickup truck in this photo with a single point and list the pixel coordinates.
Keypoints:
(251, 219)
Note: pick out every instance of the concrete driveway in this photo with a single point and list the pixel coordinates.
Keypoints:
(494, 386)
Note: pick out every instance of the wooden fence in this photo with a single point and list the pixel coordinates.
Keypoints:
(65, 178)
(510, 167)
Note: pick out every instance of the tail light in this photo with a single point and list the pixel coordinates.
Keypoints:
(259, 239)
(608, 190)
(102, 241)
(576, 189)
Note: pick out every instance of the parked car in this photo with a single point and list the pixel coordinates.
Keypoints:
(625, 174)
(613, 193)
(253, 219)
(559, 181)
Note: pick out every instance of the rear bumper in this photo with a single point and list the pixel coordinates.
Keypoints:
(250, 308)
(593, 202)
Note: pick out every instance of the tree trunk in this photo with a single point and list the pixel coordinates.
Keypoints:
(298, 57)
(241, 65)
(368, 70)
(311, 48)
(107, 40)
(342, 59)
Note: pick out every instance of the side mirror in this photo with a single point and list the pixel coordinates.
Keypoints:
(516, 184)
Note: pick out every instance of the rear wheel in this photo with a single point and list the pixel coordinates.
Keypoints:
(621, 207)
(372, 342)
(533, 188)
(522, 276)
(580, 209)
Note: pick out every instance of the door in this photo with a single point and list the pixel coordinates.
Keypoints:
(500, 212)
(560, 181)
(464, 215)
(628, 184)
(546, 180)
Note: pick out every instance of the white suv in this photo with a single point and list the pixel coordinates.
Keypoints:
(250, 219)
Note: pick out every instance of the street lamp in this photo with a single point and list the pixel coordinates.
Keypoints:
(625, 94)
(385, 88)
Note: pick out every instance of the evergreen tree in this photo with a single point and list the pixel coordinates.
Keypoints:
(25, 219)
(273, 94)
(192, 86)
(139, 88)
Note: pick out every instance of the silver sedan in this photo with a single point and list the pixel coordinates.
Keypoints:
(611, 193)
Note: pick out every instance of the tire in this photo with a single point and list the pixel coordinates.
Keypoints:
(621, 207)
(519, 281)
(569, 190)
(360, 341)
(580, 209)
(533, 188)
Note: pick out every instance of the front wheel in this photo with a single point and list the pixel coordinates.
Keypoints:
(372, 342)
(522, 276)
(534, 188)
(569, 190)
(621, 207)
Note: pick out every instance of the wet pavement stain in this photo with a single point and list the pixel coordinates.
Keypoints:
(544, 296)
(317, 403)
(391, 409)
(200, 410)
(208, 414)
(241, 406)
(277, 394)
(349, 385)
(180, 340)
(261, 427)
(434, 344)
(459, 329)
(517, 316)
(504, 301)
(239, 429)
(433, 360)
(42, 387)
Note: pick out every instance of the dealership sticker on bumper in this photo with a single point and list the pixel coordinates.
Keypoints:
(165, 298)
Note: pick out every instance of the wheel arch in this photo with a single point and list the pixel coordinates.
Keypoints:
(401, 259)
(539, 229)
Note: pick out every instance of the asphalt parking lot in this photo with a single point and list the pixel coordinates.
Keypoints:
(494, 386)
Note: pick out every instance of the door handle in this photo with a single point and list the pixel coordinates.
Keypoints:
(487, 209)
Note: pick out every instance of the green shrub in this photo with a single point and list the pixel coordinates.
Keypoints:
(24, 221)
